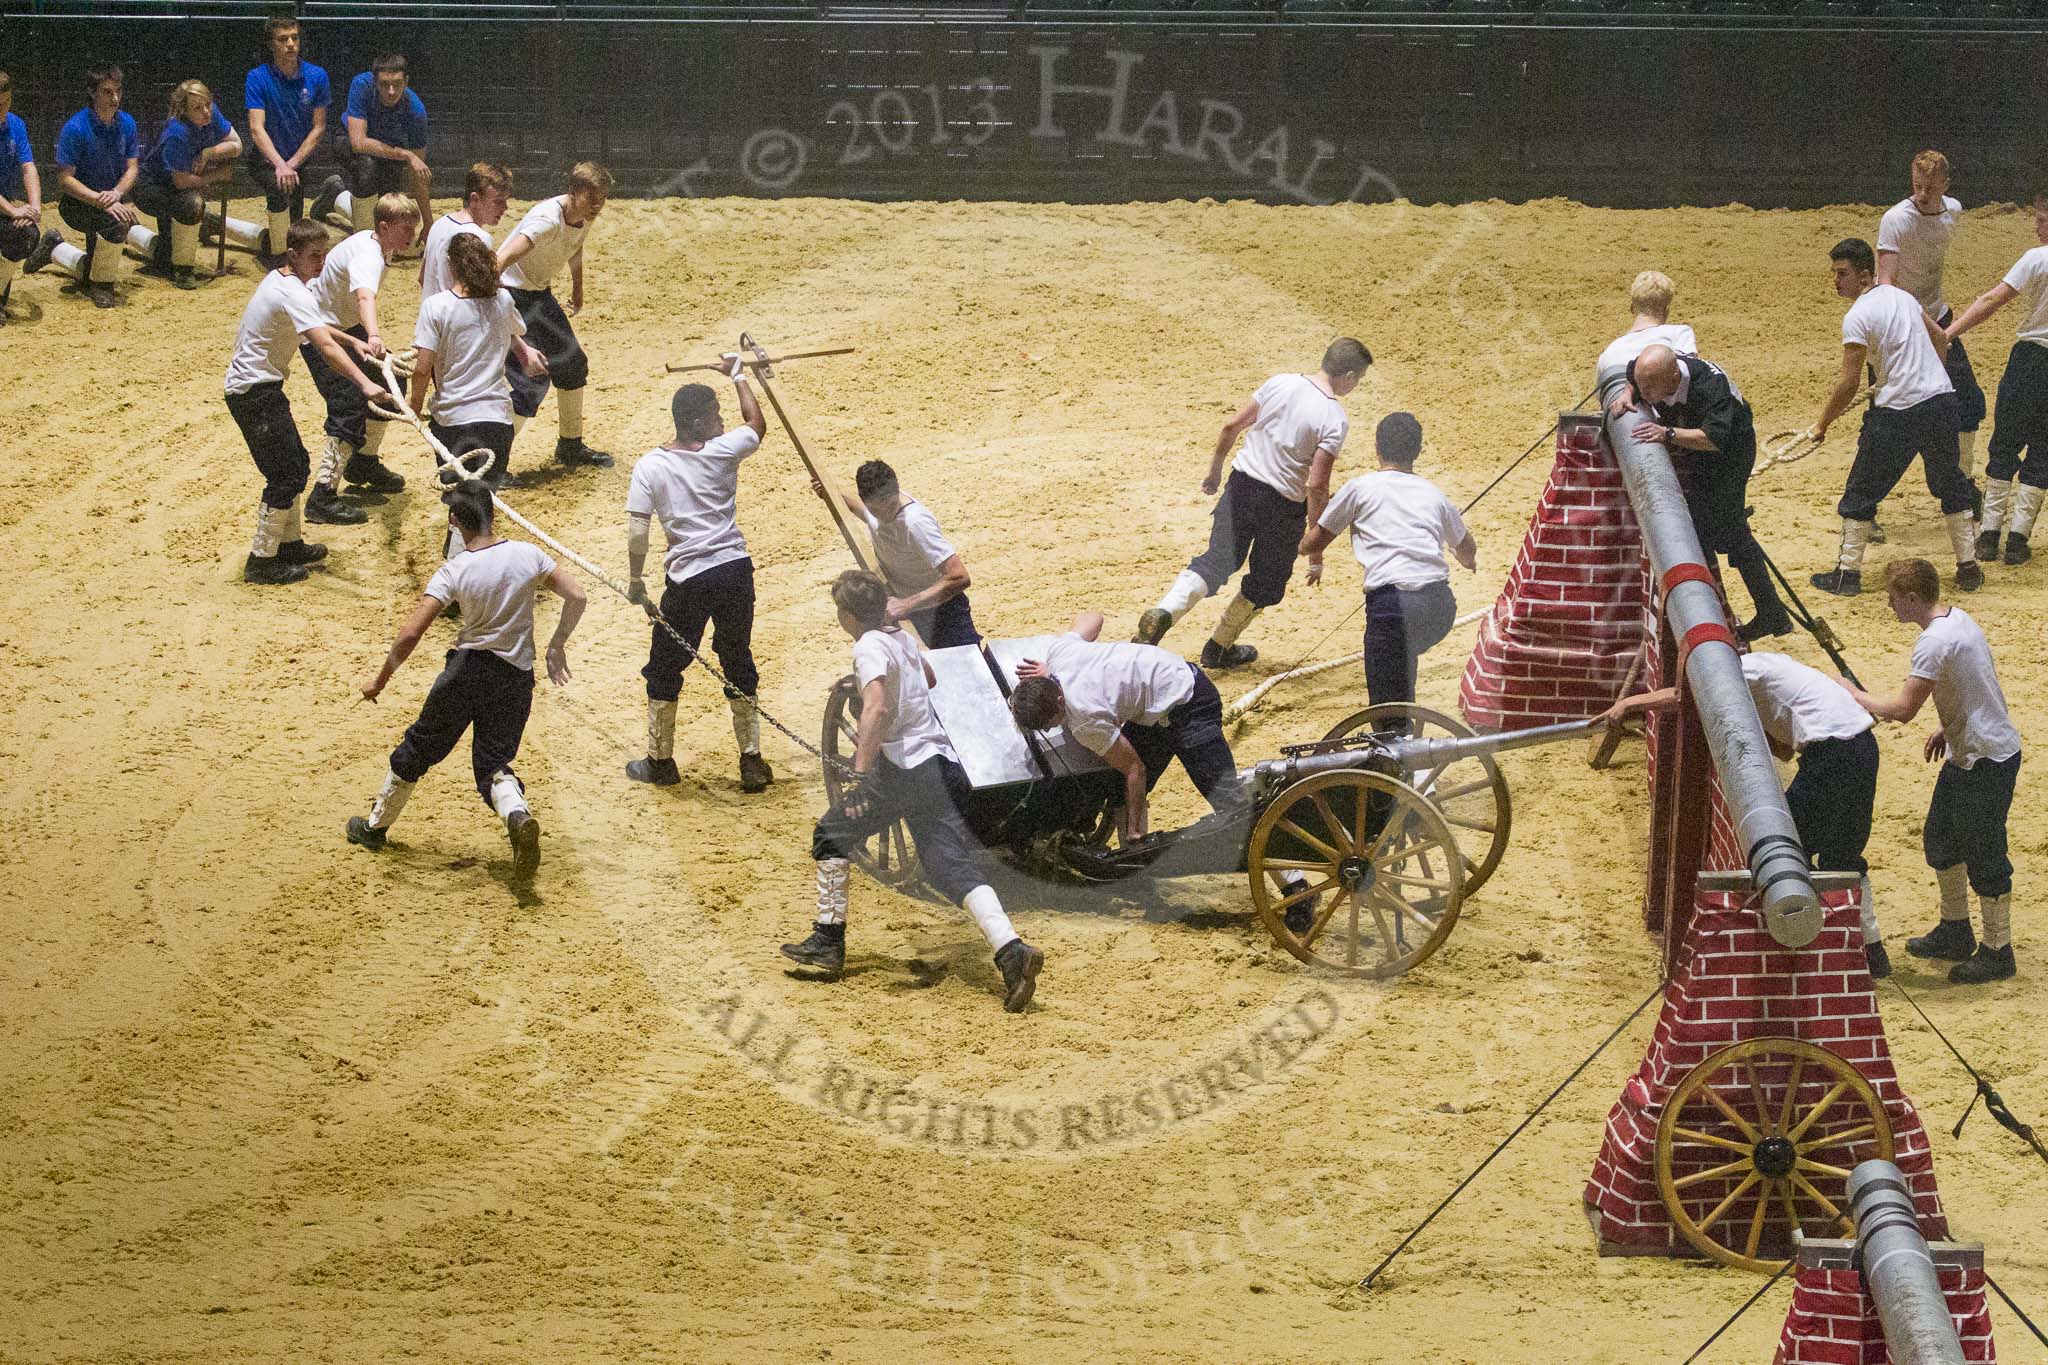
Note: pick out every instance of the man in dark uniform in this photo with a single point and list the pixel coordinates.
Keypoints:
(1697, 413)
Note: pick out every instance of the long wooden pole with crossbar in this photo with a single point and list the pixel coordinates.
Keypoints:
(764, 379)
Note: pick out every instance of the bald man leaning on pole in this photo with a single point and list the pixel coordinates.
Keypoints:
(1694, 409)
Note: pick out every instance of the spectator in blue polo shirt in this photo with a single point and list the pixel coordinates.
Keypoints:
(387, 131)
(287, 101)
(195, 151)
(24, 246)
(98, 157)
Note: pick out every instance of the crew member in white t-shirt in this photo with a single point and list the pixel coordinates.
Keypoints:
(487, 685)
(691, 485)
(485, 195)
(1293, 426)
(2019, 431)
(1807, 715)
(1649, 302)
(1913, 412)
(279, 315)
(462, 343)
(347, 294)
(904, 768)
(1136, 706)
(549, 237)
(1400, 524)
(1913, 239)
(1964, 834)
(927, 578)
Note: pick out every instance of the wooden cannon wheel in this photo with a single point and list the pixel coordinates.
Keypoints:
(889, 857)
(1470, 792)
(1785, 1121)
(1384, 879)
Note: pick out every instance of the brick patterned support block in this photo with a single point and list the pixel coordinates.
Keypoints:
(1559, 640)
(1832, 1320)
(1730, 983)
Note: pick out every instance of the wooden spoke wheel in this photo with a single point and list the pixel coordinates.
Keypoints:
(1759, 1139)
(1367, 867)
(889, 857)
(1469, 792)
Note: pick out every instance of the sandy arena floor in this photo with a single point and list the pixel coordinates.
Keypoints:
(266, 1096)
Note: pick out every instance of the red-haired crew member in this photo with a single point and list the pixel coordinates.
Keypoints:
(691, 485)
(548, 238)
(286, 99)
(1293, 426)
(2019, 430)
(485, 194)
(927, 579)
(904, 769)
(98, 160)
(486, 686)
(1913, 239)
(1964, 835)
(1913, 412)
(281, 314)
(1400, 524)
(347, 294)
(24, 245)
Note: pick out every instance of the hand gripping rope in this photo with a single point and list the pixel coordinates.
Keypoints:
(478, 463)
(1790, 447)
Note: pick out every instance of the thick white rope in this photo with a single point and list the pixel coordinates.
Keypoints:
(406, 415)
(1790, 447)
(1252, 698)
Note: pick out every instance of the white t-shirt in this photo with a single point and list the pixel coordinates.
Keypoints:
(470, 339)
(695, 496)
(1888, 323)
(280, 312)
(357, 263)
(910, 547)
(1953, 654)
(435, 276)
(1399, 524)
(2029, 275)
(1799, 705)
(554, 242)
(1921, 241)
(914, 733)
(1110, 684)
(494, 587)
(1629, 345)
(1296, 419)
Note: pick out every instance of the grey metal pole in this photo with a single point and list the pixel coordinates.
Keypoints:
(1735, 736)
(1898, 1270)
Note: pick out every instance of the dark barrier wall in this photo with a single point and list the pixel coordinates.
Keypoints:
(1642, 113)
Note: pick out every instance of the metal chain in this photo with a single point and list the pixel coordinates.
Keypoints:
(405, 414)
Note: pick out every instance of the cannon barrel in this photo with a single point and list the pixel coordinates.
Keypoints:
(1734, 733)
(1898, 1269)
